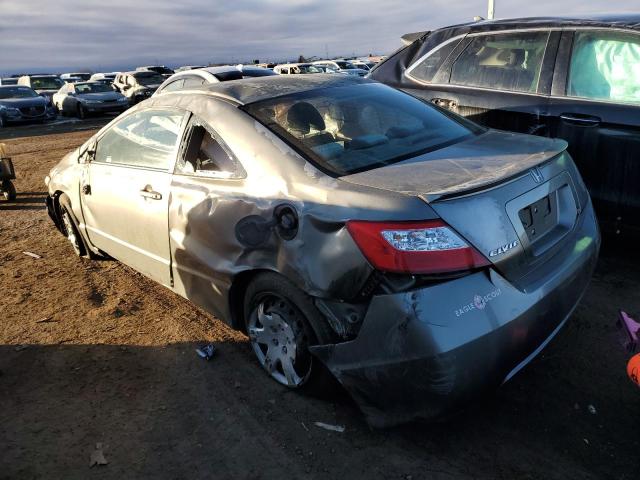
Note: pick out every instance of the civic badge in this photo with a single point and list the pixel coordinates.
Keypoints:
(536, 173)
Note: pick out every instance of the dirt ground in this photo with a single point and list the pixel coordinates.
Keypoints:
(92, 352)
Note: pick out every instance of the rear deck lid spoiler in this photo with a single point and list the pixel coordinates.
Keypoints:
(478, 163)
(409, 38)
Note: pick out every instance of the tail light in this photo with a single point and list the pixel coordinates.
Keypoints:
(414, 247)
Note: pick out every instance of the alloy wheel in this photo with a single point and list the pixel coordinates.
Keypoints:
(279, 340)
(71, 232)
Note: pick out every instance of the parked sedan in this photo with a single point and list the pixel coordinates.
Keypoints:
(44, 85)
(20, 104)
(203, 76)
(342, 66)
(351, 230)
(85, 98)
(139, 85)
(571, 78)
(81, 76)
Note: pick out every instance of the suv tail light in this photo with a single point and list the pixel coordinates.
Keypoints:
(414, 247)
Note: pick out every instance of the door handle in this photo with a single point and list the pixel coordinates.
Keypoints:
(586, 120)
(152, 194)
(445, 103)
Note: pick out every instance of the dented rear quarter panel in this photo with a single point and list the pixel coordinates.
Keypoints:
(322, 259)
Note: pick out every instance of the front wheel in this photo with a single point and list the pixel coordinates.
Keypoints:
(282, 323)
(71, 232)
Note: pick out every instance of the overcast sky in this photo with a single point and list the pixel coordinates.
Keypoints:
(59, 35)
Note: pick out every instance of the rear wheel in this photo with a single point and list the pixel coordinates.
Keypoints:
(282, 323)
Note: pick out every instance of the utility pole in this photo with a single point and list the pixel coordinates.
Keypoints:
(491, 9)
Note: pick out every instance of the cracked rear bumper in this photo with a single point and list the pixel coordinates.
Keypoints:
(424, 353)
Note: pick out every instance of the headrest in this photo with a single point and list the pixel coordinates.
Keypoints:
(303, 116)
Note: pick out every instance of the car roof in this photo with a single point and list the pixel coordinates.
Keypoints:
(626, 21)
(255, 89)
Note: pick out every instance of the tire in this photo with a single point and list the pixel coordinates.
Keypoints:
(294, 324)
(9, 191)
(81, 112)
(70, 227)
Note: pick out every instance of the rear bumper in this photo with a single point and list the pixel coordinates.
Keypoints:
(423, 353)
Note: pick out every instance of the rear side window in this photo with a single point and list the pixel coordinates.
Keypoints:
(193, 81)
(146, 139)
(426, 67)
(173, 86)
(605, 66)
(205, 154)
(508, 61)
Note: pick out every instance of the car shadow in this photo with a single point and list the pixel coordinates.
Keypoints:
(26, 201)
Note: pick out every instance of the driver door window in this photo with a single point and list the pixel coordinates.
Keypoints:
(507, 61)
(146, 139)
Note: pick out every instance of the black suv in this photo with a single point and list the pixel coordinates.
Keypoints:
(576, 79)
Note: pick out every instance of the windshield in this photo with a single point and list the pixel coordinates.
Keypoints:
(17, 92)
(147, 79)
(309, 69)
(162, 70)
(326, 68)
(46, 83)
(345, 65)
(359, 127)
(94, 87)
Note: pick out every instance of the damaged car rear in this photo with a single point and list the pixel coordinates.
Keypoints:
(351, 230)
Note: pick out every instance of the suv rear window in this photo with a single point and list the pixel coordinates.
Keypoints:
(507, 61)
(350, 129)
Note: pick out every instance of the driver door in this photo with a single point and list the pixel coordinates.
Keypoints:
(125, 192)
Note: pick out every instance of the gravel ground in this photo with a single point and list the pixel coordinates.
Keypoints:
(92, 352)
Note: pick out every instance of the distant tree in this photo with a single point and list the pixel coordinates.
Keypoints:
(256, 61)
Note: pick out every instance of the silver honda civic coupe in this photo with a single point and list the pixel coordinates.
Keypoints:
(352, 231)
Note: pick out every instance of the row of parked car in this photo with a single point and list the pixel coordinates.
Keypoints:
(39, 98)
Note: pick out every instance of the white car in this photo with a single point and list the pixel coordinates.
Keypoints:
(203, 76)
(342, 66)
(85, 98)
(297, 68)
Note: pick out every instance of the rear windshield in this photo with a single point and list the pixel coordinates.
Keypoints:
(350, 129)
(17, 92)
(46, 83)
(149, 78)
(93, 87)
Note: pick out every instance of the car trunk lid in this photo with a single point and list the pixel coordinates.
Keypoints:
(513, 197)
